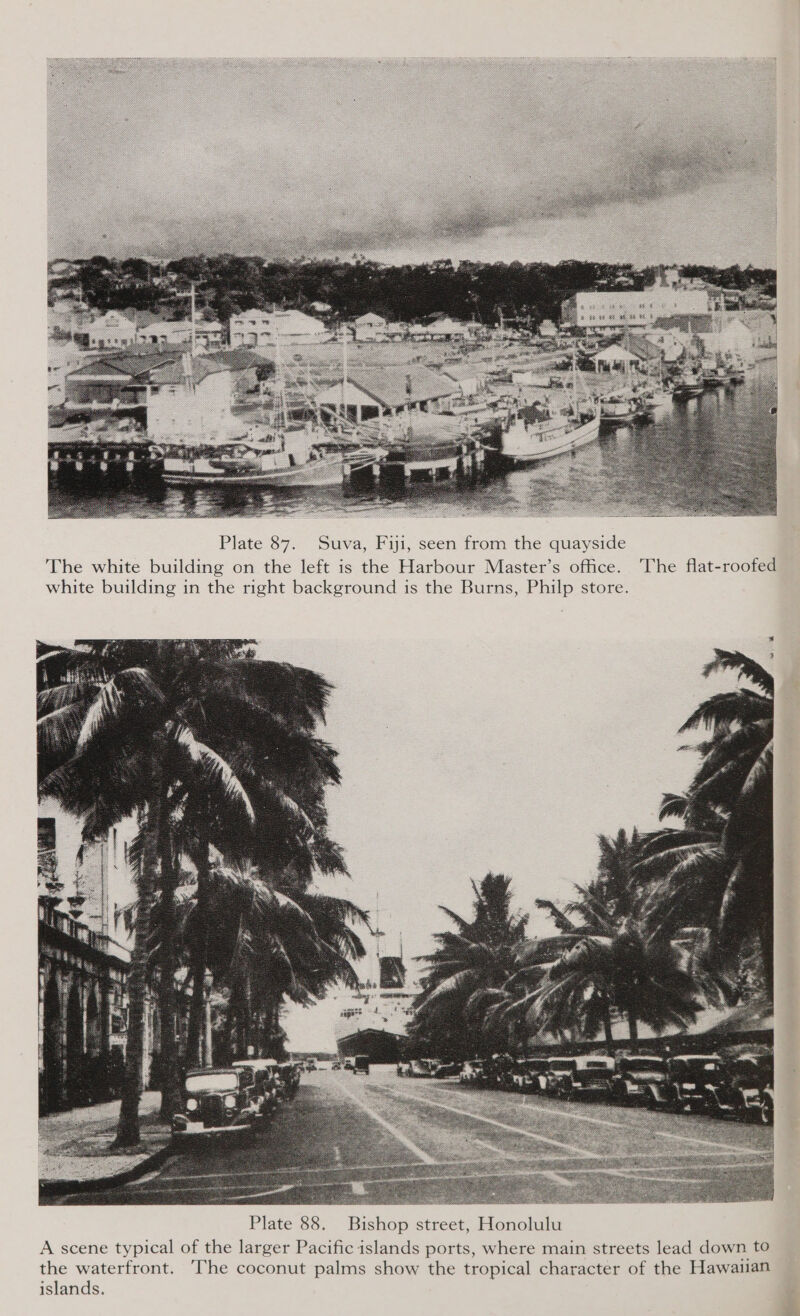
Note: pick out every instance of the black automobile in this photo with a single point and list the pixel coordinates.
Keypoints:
(633, 1077)
(589, 1078)
(361, 1065)
(740, 1088)
(217, 1103)
(526, 1073)
(684, 1087)
(550, 1082)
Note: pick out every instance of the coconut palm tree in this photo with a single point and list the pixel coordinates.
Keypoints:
(471, 964)
(623, 961)
(718, 866)
(130, 727)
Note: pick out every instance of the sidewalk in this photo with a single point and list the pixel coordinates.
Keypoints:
(74, 1145)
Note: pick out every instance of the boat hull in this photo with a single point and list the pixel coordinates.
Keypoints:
(565, 441)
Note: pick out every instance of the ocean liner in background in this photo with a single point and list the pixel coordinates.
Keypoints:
(373, 1020)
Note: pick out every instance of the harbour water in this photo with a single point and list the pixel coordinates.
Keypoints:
(711, 456)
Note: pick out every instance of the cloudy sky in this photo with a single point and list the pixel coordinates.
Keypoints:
(637, 160)
(457, 760)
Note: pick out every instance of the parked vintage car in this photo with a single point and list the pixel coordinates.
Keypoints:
(550, 1080)
(590, 1078)
(471, 1073)
(361, 1065)
(684, 1087)
(420, 1069)
(634, 1074)
(740, 1088)
(217, 1102)
(527, 1073)
(450, 1069)
(264, 1076)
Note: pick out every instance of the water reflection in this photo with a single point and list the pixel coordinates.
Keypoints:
(712, 455)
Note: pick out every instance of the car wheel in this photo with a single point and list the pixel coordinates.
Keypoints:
(767, 1110)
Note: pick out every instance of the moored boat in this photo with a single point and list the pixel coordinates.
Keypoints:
(531, 434)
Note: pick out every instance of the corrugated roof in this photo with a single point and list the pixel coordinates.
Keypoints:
(172, 372)
(389, 385)
(695, 324)
(238, 358)
(134, 364)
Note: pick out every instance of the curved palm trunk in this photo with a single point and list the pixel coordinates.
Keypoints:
(128, 1126)
(170, 1083)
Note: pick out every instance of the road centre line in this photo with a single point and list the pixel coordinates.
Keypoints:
(552, 1109)
(390, 1128)
(497, 1124)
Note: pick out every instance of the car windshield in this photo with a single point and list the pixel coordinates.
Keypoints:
(224, 1081)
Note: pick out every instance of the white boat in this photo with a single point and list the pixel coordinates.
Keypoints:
(534, 433)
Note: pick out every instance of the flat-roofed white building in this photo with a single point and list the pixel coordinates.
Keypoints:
(622, 308)
(261, 328)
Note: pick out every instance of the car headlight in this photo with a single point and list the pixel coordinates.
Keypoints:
(230, 1102)
(191, 1103)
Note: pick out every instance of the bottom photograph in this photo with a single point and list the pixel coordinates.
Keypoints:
(404, 923)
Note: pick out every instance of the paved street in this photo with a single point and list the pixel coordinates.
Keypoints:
(388, 1140)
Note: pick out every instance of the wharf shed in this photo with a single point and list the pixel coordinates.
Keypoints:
(373, 391)
(118, 382)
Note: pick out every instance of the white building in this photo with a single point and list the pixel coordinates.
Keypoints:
(620, 309)
(172, 333)
(62, 358)
(111, 330)
(262, 328)
(369, 328)
(190, 400)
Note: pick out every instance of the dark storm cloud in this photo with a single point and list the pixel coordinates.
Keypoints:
(330, 156)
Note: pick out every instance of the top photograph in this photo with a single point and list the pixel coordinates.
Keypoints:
(434, 287)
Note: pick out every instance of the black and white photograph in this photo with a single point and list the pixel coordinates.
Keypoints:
(419, 287)
(360, 923)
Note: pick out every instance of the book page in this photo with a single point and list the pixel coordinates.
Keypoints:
(431, 943)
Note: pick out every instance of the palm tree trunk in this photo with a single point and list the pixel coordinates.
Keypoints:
(633, 1026)
(609, 1036)
(767, 951)
(170, 1085)
(199, 953)
(128, 1126)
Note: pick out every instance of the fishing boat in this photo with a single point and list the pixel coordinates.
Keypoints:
(689, 385)
(715, 374)
(621, 408)
(278, 454)
(532, 434)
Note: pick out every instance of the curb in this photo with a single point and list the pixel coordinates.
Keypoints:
(56, 1187)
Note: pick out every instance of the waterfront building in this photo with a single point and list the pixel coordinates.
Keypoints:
(762, 326)
(620, 309)
(117, 382)
(262, 328)
(172, 333)
(111, 330)
(374, 391)
(189, 398)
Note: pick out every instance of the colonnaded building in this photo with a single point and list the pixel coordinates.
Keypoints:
(84, 953)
